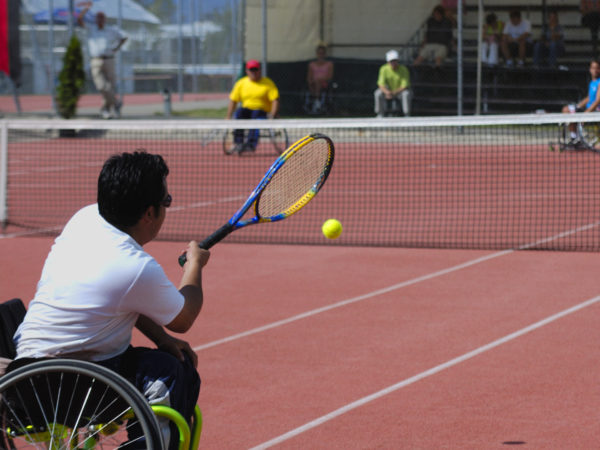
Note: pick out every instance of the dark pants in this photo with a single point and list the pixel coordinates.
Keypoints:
(245, 113)
(513, 49)
(162, 378)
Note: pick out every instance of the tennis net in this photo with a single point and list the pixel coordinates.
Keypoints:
(489, 182)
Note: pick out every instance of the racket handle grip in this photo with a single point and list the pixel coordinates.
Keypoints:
(211, 240)
(182, 259)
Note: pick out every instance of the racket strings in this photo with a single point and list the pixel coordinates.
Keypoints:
(302, 173)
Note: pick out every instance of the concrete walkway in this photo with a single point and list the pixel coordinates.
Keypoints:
(135, 106)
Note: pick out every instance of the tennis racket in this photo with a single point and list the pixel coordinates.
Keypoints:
(290, 183)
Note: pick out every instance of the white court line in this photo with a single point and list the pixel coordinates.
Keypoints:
(49, 169)
(171, 210)
(350, 300)
(390, 288)
(30, 232)
(369, 398)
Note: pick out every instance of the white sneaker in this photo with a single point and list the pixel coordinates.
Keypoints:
(105, 114)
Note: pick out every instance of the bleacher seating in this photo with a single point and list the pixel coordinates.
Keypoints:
(504, 90)
(512, 90)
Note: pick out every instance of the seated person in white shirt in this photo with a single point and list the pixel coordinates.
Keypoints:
(516, 39)
(98, 283)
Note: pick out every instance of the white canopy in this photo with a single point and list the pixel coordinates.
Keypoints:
(130, 10)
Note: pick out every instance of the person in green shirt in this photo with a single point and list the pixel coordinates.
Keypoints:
(393, 84)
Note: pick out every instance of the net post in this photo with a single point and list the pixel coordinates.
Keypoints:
(3, 172)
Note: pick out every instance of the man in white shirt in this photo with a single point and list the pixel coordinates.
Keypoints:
(103, 43)
(98, 283)
(516, 39)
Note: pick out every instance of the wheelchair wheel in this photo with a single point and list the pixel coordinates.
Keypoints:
(586, 137)
(228, 144)
(278, 139)
(590, 136)
(64, 404)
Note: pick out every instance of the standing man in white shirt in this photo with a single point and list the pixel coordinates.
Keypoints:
(103, 42)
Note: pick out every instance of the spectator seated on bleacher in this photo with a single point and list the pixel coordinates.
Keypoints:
(437, 38)
(551, 44)
(516, 39)
(492, 36)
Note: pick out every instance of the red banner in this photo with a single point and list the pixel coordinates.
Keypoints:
(4, 56)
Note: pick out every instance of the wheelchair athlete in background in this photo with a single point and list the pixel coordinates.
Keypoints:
(572, 135)
(259, 98)
(319, 78)
(98, 283)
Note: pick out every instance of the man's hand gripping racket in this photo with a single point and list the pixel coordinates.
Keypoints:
(289, 184)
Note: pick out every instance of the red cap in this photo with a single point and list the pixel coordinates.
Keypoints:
(253, 64)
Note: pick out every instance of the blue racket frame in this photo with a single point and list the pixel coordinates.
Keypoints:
(235, 223)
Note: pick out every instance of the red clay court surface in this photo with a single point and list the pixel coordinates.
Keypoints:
(305, 347)
(353, 348)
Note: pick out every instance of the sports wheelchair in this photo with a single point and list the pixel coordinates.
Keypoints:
(322, 106)
(277, 137)
(587, 137)
(70, 404)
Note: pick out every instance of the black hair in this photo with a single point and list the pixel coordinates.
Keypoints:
(128, 184)
(439, 9)
(514, 14)
(491, 18)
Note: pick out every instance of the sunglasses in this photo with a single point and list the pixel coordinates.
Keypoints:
(254, 69)
(167, 201)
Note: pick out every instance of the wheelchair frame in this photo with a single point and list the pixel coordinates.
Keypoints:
(278, 137)
(585, 140)
(66, 404)
(326, 101)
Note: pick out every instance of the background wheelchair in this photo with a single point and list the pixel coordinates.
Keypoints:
(277, 139)
(322, 106)
(71, 404)
(587, 137)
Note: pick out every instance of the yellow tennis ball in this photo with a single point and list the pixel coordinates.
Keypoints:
(332, 228)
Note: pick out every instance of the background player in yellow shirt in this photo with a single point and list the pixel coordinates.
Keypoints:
(259, 99)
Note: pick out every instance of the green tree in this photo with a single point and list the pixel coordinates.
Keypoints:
(71, 80)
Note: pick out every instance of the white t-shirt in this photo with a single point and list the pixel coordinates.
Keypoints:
(515, 31)
(102, 42)
(95, 282)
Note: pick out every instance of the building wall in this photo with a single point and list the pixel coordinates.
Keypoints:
(351, 28)
(292, 31)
